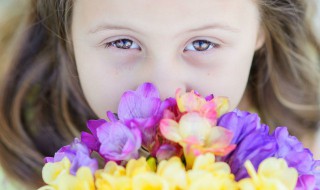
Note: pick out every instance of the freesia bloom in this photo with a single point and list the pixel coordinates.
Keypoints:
(203, 180)
(256, 147)
(190, 142)
(167, 168)
(78, 154)
(135, 167)
(146, 181)
(241, 123)
(171, 174)
(298, 157)
(210, 108)
(58, 177)
(143, 109)
(112, 176)
(307, 182)
(109, 182)
(118, 142)
(208, 174)
(255, 144)
(195, 130)
(252, 139)
(207, 162)
(197, 136)
(137, 175)
(91, 140)
(273, 174)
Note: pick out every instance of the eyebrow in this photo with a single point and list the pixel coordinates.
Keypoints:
(111, 27)
(215, 26)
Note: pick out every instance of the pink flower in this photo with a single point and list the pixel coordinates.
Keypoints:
(195, 130)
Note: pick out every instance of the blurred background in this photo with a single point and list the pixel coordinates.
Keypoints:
(12, 13)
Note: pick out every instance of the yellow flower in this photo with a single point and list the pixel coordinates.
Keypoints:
(149, 180)
(208, 174)
(273, 174)
(207, 162)
(57, 176)
(174, 172)
(170, 175)
(135, 167)
(200, 179)
(106, 181)
(114, 169)
(112, 176)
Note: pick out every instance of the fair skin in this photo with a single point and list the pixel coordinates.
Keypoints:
(163, 47)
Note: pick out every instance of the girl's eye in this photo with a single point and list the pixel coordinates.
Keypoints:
(201, 45)
(123, 44)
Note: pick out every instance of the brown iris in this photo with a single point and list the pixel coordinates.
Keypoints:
(201, 45)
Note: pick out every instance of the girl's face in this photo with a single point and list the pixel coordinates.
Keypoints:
(205, 45)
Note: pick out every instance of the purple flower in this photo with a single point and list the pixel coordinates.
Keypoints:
(252, 139)
(91, 140)
(255, 144)
(143, 109)
(307, 182)
(256, 147)
(118, 142)
(78, 154)
(241, 123)
(298, 157)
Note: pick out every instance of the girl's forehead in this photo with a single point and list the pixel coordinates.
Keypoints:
(165, 14)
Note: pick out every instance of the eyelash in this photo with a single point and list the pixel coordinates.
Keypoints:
(113, 44)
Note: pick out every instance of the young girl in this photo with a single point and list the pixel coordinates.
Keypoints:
(65, 61)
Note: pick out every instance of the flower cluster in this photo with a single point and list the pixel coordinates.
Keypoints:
(186, 142)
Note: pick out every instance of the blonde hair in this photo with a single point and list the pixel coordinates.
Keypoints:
(285, 75)
(42, 106)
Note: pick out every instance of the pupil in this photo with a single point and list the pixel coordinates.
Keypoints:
(201, 45)
(124, 43)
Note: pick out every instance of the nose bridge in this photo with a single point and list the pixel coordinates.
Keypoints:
(165, 70)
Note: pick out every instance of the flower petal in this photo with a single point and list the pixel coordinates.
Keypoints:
(91, 142)
(148, 90)
(189, 101)
(114, 137)
(170, 130)
(133, 106)
(193, 124)
(94, 124)
(135, 167)
(51, 171)
(219, 137)
(112, 117)
(222, 105)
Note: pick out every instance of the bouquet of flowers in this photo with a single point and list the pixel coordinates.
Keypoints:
(186, 142)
